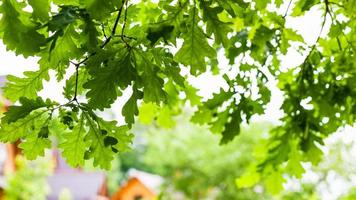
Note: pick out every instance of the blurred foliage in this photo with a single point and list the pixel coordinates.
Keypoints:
(351, 194)
(116, 46)
(192, 161)
(29, 181)
(3, 105)
(307, 192)
(195, 165)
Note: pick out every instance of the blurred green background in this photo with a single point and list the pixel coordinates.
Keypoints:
(193, 165)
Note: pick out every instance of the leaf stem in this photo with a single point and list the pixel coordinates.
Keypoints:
(76, 82)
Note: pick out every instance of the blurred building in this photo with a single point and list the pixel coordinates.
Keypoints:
(139, 186)
(81, 185)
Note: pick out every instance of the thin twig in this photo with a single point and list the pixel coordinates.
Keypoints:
(126, 36)
(317, 39)
(324, 21)
(76, 83)
(321, 29)
(113, 31)
(124, 25)
(108, 39)
(286, 13)
(103, 30)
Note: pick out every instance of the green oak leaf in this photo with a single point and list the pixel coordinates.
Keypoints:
(102, 95)
(351, 7)
(74, 145)
(292, 35)
(15, 113)
(303, 6)
(151, 80)
(18, 33)
(215, 25)
(155, 32)
(191, 95)
(147, 112)
(34, 145)
(130, 109)
(98, 150)
(218, 125)
(23, 127)
(100, 9)
(40, 8)
(63, 49)
(248, 179)
(278, 2)
(66, 2)
(261, 4)
(66, 16)
(202, 116)
(121, 133)
(218, 99)
(91, 34)
(274, 182)
(153, 89)
(195, 48)
(294, 165)
(232, 128)
(164, 118)
(27, 86)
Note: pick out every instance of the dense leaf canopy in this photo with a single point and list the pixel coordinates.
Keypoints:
(145, 47)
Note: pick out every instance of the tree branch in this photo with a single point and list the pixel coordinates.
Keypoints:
(124, 25)
(286, 13)
(103, 30)
(115, 25)
(76, 83)
(321, 30)
(107, 40)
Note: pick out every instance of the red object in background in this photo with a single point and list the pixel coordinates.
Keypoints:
(134, 189)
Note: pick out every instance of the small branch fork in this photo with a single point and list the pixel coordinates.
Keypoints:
(107, 40)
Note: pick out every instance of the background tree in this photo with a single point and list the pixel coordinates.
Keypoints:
(29, 181)
(192, 162)
(116, 46)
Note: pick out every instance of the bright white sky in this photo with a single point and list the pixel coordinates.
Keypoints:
(308, 26)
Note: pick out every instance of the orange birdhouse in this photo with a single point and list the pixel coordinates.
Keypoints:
(134, 190)
(139, 186)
